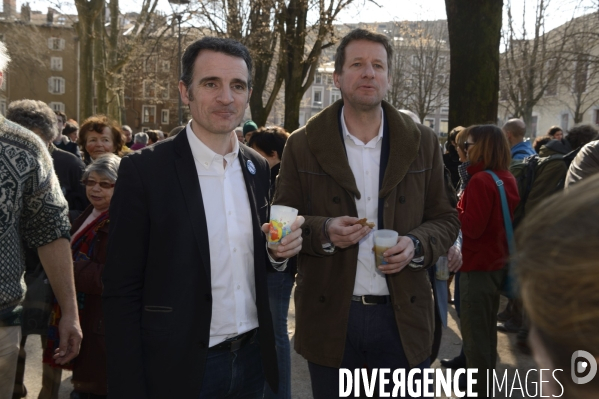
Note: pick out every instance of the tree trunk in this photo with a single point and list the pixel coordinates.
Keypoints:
(100, 65)
(87, 11)
(474, 36)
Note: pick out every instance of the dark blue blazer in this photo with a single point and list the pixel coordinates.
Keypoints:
(157, 294)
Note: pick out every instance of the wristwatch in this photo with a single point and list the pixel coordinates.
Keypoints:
(417, 260)
(418, 251)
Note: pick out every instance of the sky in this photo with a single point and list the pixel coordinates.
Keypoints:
(397, 10)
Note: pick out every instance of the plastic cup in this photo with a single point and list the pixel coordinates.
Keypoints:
(441, 269)
(281, 219)
(383, 240)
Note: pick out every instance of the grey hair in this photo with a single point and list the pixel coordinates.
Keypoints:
(4, 57)
(106, 165)
(141, 138)
(127, 127)
(412, 115)
(33, 114)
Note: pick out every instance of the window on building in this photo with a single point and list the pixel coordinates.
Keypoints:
(149, 89)
(164, 116)
(165, 66)
(581, 73)
(443, 128)
(335, 95)
(444, 110)
(3, 85)
(56, 43)
(329, 79)
(415, 61)
(597, 117)
(56, 85)
(56, 106)
(149, 113)
(318, 78)
(317, 97)
(533, 126)
(164, 91)
(3, 106)
(430, 123)
(56, 63)
(565, 119)
(150, 64)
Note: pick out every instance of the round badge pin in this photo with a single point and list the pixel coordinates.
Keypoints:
(251, 167)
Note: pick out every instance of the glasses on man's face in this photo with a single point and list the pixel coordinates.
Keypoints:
(91, 183)
(468, 144)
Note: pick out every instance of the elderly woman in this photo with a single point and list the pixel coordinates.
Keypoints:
(89, 239)
(556, 265)
(100, 135)
(140, 140)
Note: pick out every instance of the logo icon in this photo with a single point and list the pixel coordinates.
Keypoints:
(251, 167)
(580, 366)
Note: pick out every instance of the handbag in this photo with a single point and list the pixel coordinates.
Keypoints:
(508, 288)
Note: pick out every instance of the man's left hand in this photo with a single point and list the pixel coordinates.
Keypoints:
(291, 244)
(399, 256)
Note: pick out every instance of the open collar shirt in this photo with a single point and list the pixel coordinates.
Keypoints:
(364, 161)
(229, 222)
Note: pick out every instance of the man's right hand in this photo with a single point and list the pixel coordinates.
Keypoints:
(70, 339)
(344, 232)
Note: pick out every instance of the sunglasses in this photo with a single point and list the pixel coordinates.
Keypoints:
(467, 144)
(91, 183)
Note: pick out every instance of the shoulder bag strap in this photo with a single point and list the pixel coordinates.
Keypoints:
(507, 221)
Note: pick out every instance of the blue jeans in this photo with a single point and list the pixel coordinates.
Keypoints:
(372, 341)
(234, 374)
(279, 293)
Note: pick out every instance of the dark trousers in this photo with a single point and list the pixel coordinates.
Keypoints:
(479, 296)
(279, 294)
(234, 374)
(372, 341)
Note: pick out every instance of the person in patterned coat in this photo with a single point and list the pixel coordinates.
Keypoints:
(33, 212)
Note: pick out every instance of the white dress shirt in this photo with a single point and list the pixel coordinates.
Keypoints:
(231, 240)
(364, 161)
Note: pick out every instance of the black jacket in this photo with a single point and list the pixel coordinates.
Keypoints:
(157, 293)
(69, 170)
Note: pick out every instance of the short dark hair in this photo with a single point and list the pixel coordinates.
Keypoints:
(554, 129)
(362, 34)
(152, 135)
(581, 135)
(220, 45)
(269, 140)
(69, 128)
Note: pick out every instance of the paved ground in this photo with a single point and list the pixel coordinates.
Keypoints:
(509, 359)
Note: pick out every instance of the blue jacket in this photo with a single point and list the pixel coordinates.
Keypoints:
(522, 150)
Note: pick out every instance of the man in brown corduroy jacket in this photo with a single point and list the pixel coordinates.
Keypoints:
(361, 159)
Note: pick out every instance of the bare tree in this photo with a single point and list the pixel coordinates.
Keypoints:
(285, 43)
(421, 72)
(579, 75)
(531, 63)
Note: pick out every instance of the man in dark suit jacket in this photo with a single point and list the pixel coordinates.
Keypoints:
(185, 293)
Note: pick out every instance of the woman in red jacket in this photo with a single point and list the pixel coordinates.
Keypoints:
(485, 249)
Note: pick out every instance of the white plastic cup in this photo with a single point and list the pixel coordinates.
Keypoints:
(383, 240)
(281, 219)
(442, 269)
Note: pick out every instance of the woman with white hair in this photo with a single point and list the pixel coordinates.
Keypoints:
(140, 141)
(89, 240)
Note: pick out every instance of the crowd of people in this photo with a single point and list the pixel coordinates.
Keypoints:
(161, 284)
